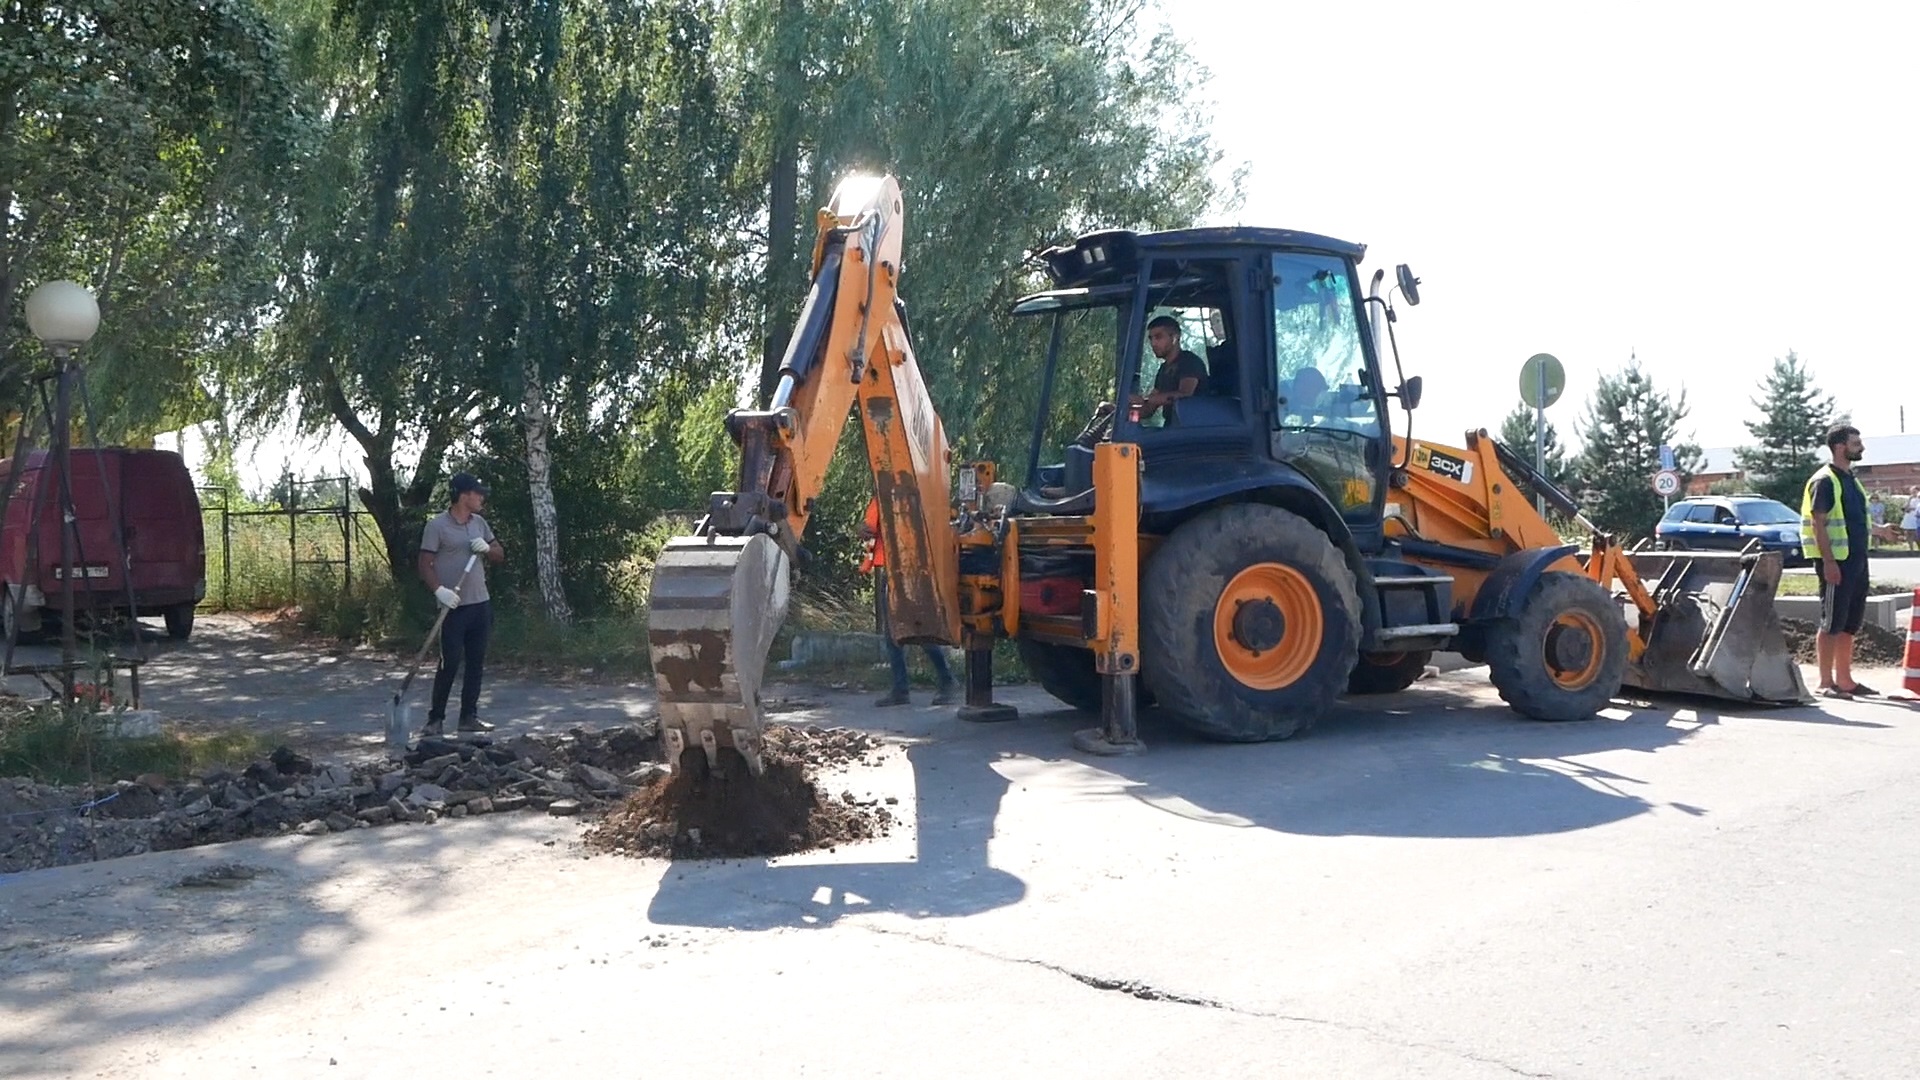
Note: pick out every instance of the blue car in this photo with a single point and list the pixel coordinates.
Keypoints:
(1729, 523)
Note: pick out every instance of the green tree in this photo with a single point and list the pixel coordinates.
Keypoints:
(1626, 423)
(1011, 124)
(601, 114)
(144, 148)
(1790, 435)
(1517, 432)
(520, 221)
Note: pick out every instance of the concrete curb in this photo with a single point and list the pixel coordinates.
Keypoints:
(829, 650)
(1889, 612)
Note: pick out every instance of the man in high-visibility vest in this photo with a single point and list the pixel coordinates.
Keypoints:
(876, 562)
(1837, 543)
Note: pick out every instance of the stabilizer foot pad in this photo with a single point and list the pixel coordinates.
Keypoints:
(1095, 741)
(987, 714)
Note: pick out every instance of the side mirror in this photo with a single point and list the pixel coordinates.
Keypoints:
(1410, 393)
(1409, 285)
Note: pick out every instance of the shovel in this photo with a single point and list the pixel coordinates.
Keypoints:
(399, 722)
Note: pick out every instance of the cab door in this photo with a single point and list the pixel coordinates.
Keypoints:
(1328, 410)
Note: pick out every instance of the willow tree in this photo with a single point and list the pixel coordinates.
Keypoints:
(1011, 124)
(144, 149)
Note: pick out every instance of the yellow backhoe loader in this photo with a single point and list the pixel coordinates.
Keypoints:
(1239, 557)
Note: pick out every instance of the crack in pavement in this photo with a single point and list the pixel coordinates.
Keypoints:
(1149, 992)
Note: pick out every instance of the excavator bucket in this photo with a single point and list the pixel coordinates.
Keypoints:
(1714, 630)
(715, 604)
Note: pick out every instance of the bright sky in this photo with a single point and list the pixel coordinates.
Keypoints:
(1708, 184)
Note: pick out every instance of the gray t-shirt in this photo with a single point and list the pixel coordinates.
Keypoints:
(449, 542)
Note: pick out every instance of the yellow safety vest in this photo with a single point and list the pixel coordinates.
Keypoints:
(1836, 521)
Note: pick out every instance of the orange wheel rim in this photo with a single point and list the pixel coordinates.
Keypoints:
(1267, 626)
(1574, 650)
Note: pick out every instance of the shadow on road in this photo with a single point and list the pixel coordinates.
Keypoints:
(124, 945)
(959, 796)
(1443, 760)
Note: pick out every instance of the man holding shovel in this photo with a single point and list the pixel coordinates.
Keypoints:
(449, 541)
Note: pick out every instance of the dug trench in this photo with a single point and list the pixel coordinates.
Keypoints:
(613, 778)
(1873, 646)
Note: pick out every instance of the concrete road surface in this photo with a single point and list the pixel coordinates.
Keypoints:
(1424, 886)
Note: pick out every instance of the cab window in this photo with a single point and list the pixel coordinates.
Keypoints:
(1319, 362)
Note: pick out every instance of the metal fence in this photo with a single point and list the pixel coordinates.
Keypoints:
(260, 559)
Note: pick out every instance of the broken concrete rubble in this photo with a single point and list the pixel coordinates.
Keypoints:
(49, 825)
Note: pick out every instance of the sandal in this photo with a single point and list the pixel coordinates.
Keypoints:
(1835, 693)
(1863, 690)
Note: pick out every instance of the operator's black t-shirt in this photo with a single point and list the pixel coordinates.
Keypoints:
(1183, 366)
(1853, 506)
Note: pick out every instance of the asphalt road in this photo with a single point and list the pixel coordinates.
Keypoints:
(1424, 886)
(237, 670)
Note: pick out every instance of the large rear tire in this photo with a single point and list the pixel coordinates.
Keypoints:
(1063, 671)
(1388, 673)
(1250, 624)
(1564, 654)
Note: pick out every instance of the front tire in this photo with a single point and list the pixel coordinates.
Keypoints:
(1564, 654)
(1250, 624)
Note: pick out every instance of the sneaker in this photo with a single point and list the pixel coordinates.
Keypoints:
(946, 695)
(474, 723)
(433, 728)
(1097, 427)
(892, 698)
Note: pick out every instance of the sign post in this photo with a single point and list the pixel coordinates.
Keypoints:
(1666, 482)
(1542, 381)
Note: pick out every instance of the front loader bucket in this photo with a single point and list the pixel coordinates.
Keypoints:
(715, 604)
(1714, 630)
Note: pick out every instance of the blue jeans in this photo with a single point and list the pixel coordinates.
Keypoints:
(896, 656)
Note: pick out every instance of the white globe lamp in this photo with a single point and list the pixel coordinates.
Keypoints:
(63, 315)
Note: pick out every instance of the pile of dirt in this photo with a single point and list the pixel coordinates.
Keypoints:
(692, 816)
(1873, 646)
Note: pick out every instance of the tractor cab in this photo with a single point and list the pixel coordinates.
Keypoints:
(1268, 333)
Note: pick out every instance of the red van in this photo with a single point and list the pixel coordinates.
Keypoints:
(159, 517)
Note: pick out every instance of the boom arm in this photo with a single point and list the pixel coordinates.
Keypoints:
(852, 346)
(718, 597)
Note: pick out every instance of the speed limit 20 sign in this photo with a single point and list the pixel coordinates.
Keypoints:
(1666, 482)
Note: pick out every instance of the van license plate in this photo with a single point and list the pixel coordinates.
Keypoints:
(96, 570)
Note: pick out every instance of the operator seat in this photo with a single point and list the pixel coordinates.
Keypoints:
(1301, 397)
(1223, 370)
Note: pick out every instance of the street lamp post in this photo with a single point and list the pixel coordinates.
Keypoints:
(64, 316)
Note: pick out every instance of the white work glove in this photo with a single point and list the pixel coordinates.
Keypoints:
(447, 597)
(478, 546)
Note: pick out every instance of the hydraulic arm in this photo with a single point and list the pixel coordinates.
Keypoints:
(718, 597)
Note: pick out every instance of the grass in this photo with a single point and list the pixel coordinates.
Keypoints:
(1809, 585)
(251, 566)
(56, 743)
(372, 609)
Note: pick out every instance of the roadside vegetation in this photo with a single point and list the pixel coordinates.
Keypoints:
(55, 743)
